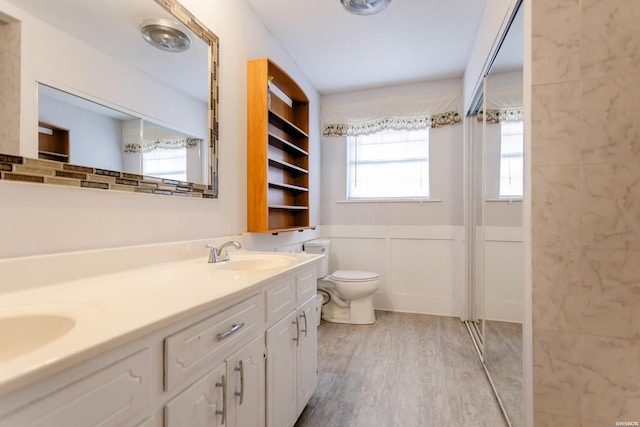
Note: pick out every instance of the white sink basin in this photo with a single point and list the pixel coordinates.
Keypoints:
(21, 334)
(253, 262)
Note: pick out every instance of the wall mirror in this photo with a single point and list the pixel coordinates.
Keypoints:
(113, 112)
(495, 203)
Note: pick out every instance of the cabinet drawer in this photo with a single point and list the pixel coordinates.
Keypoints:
(108, 397)
(192, 351)
(306, 284)
(281, 299)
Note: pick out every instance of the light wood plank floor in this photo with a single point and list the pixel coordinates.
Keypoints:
(407, 370)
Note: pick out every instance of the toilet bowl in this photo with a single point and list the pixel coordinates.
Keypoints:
(350, 293)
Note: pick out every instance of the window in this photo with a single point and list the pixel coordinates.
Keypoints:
(170, 163)
(511, 161)
(389, 164)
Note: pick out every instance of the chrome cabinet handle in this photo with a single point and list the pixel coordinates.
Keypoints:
(297, 338)
(240, 369)
(235, 328)
(223, 384)
(304, 315)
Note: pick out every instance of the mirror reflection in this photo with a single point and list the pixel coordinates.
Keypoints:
(497, 169)
(123, 104)
(504, 146)
(75, 130)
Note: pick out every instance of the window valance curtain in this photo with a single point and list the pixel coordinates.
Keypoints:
(153, 144)
(393, 112)
(504, 104)
(502, 115)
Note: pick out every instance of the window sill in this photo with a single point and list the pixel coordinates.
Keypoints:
(509, 201)
(420, 201)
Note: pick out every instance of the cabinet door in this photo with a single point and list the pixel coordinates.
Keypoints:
(282, 343)
(245, 373)
(201, 404)
(307, 352)
(108, 397)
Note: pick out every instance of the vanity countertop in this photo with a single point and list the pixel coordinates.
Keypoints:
(113, 309)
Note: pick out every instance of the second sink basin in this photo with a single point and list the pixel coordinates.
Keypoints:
(257, 261)
(21, 334)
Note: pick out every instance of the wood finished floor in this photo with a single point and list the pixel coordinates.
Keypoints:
(406, 370)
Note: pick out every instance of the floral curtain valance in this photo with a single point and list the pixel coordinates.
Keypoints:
(153, 144)
(397, 112)
(504, 104)
(502, 115)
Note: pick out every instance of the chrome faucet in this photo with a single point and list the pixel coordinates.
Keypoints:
(216, 254)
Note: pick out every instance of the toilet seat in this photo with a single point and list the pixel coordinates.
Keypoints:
(354, 276)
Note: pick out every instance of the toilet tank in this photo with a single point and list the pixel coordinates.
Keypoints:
(319, 246)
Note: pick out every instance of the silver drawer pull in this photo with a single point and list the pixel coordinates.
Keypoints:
(297, 338)
(235, 328)
(240, 369)
(304, 315)
(223, 412)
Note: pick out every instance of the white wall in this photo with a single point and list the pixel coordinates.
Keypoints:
(94, 139)
(503, 273)
(38, 219)
(445, 170)
(421, 267)
(417, 249)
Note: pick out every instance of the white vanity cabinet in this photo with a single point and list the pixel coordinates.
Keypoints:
(247, 361)
(291, 354)
(232, 394)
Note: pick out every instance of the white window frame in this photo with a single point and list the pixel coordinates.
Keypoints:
(511, 183)
(386, 163)
(178, 173)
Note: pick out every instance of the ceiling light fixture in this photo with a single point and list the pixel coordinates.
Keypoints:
(365, 7)
(165, 35)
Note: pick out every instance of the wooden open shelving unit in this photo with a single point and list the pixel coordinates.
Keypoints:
(277, 151)
(53, 142)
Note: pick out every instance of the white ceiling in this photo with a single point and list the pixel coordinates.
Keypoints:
(410, 41)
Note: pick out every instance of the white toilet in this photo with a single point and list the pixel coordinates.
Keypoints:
(350, 292)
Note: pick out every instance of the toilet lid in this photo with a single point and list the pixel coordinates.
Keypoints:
(354, 276)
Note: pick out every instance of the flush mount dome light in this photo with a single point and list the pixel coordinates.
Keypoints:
(365, 7)
(165, 35)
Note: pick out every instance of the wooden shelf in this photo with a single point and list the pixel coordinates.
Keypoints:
(276, 231)
(288, 187)
(289, 208)
(286, 166)
(53, 156)
(278, 151)
(53, 142)
(284, 124)
(281, 144)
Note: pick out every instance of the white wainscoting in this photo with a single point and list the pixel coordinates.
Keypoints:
(503, 274)
(421, 267)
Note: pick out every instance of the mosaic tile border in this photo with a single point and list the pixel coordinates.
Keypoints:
(38, 171)
(175, 8)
